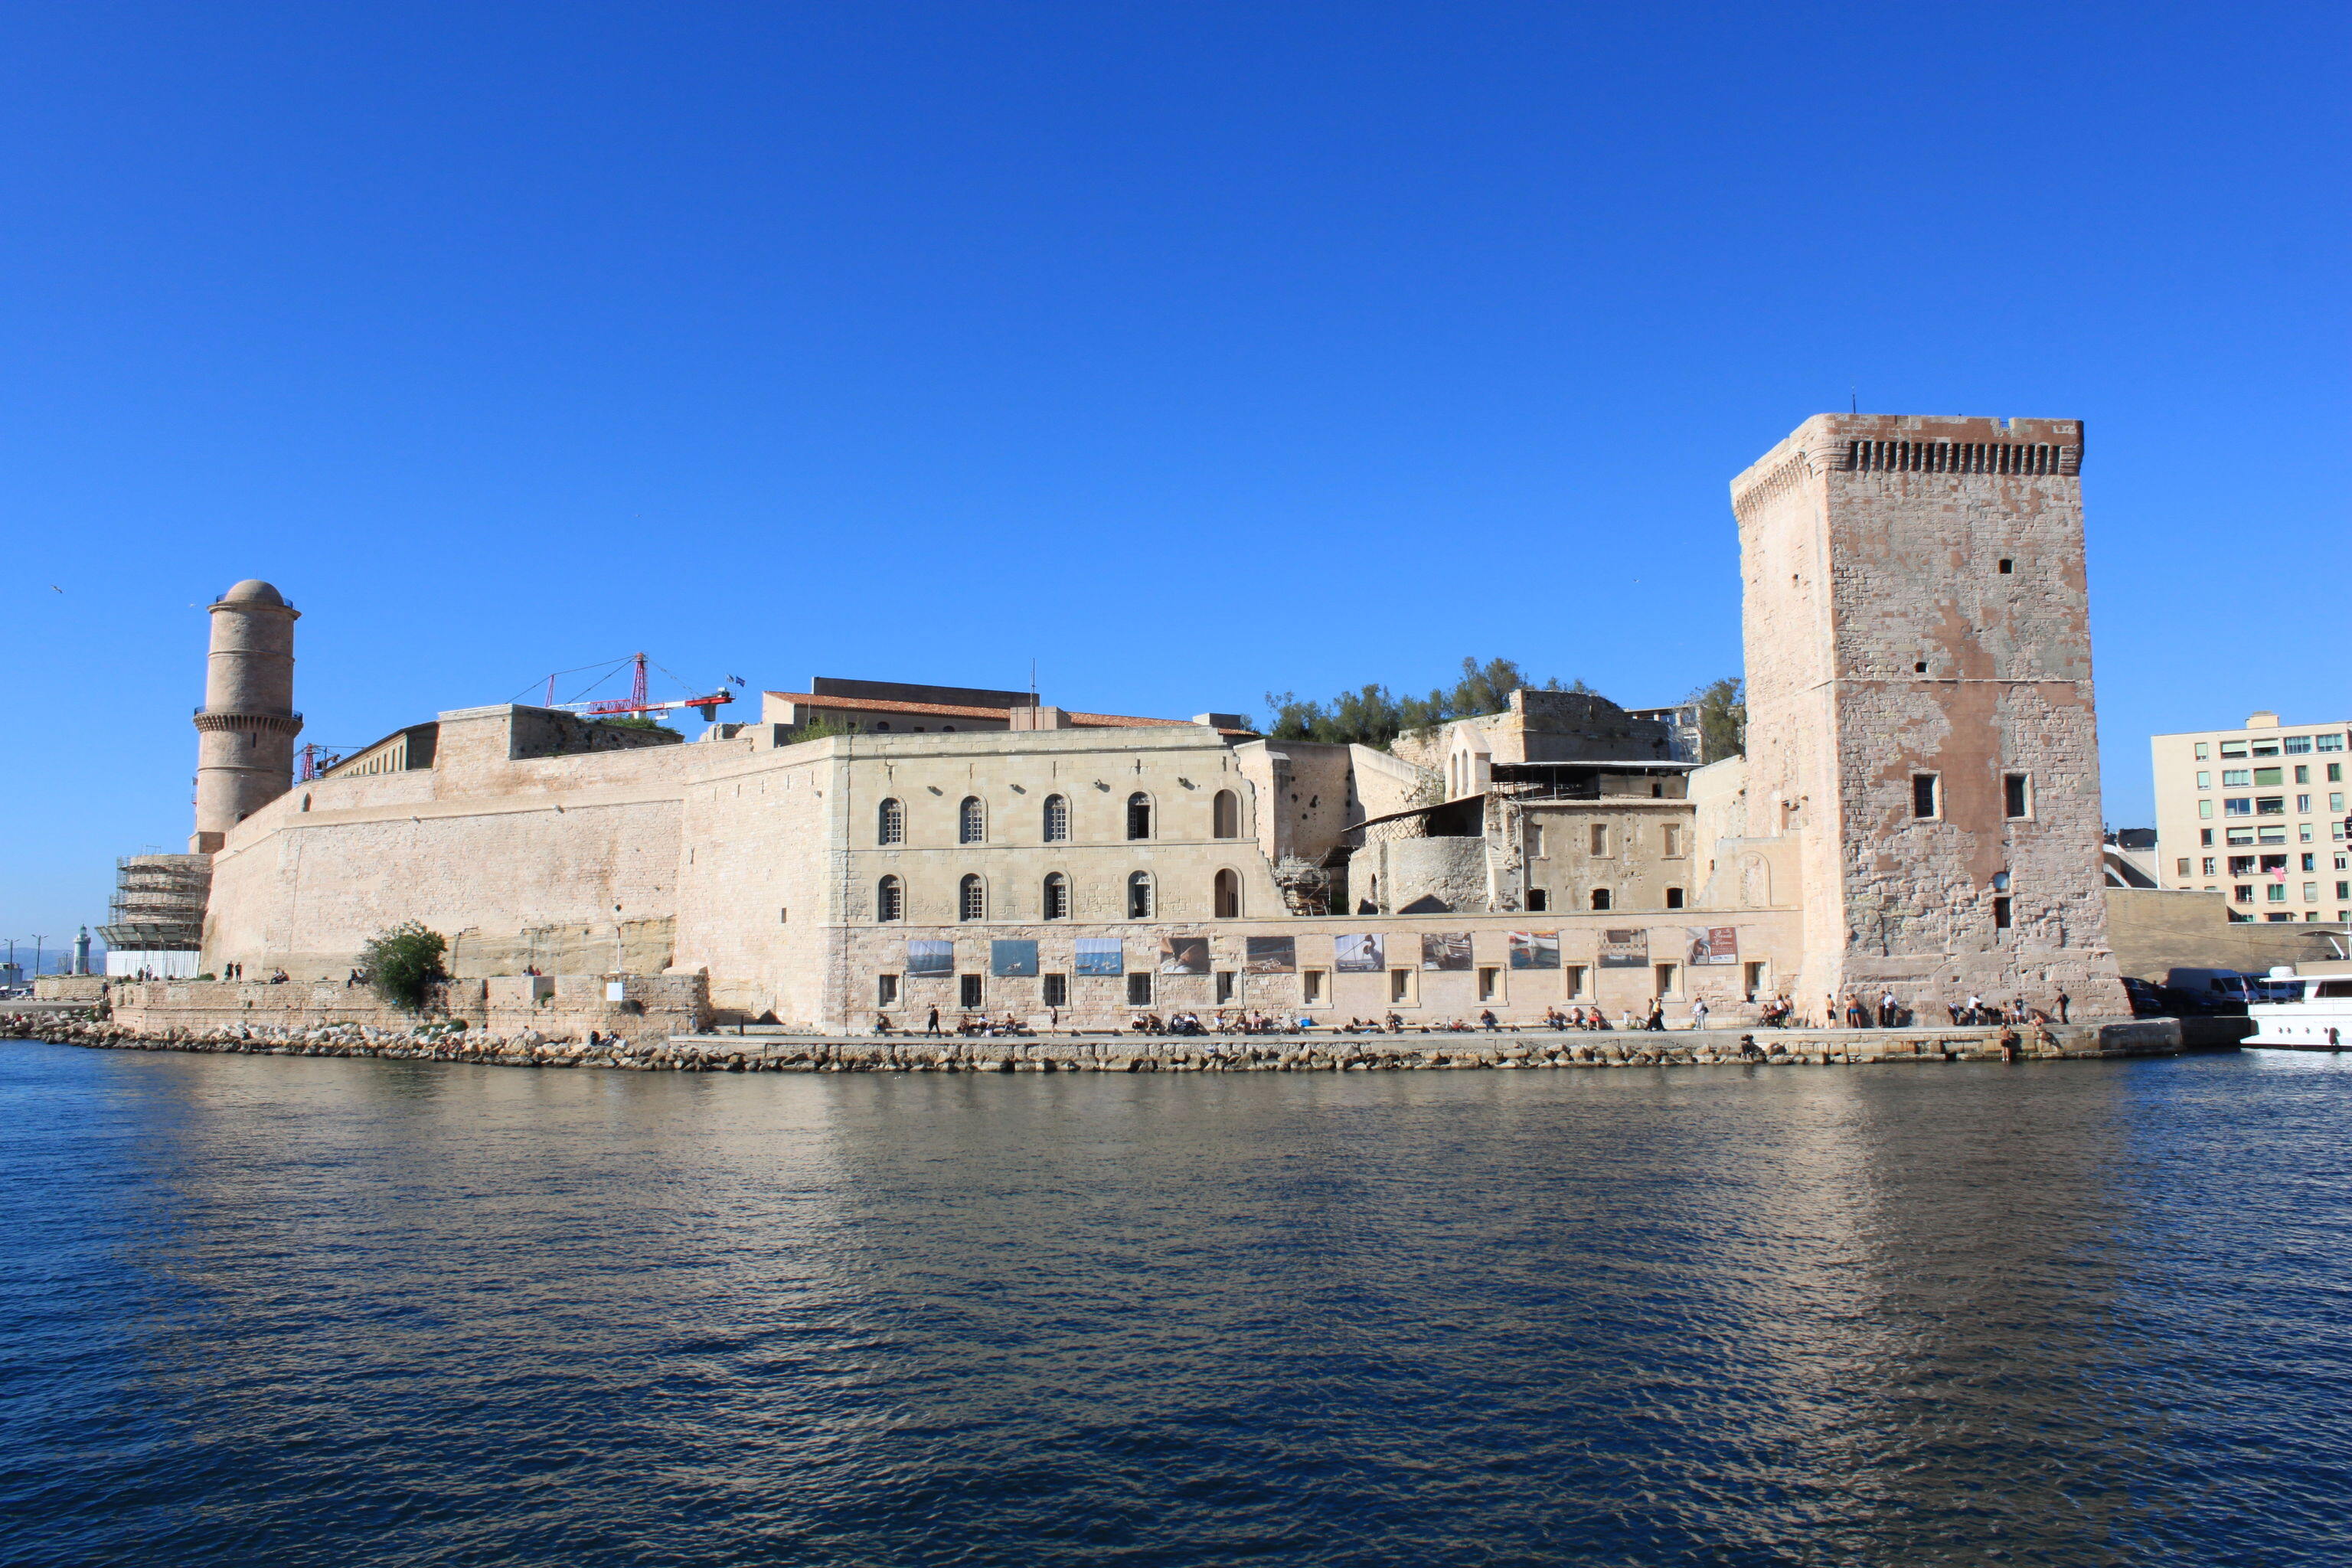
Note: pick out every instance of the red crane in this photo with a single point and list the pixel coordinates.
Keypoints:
(637, 702)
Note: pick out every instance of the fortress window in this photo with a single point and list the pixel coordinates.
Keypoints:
(1600, 897)
(885, 990)
(1139, 815)
(1138, 896)
(972, 899)
(972, 821)
(1139, 990)
(2004, 568)
(1225, 816)
(892, 824)
(1228, 888)
(1535, 841)
(1674, 897)
(1224, 987)
(1920, 668)
(889, 899)
(968, 990)
(1926, 795)
(1056, 991)
(2017, 795)
(2000, 914)
(1056, 905)
(1672, 832)
(306, 803)
(882, 724)
(1601, 838)
(1057, 819)
(1538, 901)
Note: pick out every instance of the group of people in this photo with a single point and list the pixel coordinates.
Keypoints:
(274, 977)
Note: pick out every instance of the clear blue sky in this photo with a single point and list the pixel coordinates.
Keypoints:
(1193, 350)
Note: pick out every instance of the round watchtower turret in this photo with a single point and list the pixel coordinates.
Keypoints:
(246, 730)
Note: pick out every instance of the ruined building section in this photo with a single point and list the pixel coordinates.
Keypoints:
(1920, 710)
(246, 730)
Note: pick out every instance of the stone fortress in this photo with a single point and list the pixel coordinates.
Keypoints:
(1918, 812)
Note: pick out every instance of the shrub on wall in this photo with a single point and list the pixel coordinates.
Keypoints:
(404, 963)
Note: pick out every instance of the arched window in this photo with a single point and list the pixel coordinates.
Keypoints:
(1225, 816)
(1229, 896)
(1057, 902)
(889, 899)
(1057, 819)
(1600, 897)
(1138, 896)
(1139, 815)
(882, 724)
(972, 899)
(892, 826)
(972, 821)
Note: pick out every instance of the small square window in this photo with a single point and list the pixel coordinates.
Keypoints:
(1538, 901)
(2180, 866)
(1311, 985)
(2205, 838)
(2005, 568)
(1674, 897)
(2205, 809)
(2204, 780)
(2243, 893)
(886, 990)
(2203, 751)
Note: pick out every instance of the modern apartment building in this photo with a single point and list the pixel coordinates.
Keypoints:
(2257, 814)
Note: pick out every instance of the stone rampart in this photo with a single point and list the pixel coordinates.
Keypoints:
(557, 1006)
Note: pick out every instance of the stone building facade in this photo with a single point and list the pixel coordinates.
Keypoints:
(1914, 611)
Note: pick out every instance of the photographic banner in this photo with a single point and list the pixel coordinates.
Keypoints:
(1100, 955)
(1445, 950)
(930, 958)
(1535, 950)
(1012, 959)
(1271, 955)
(1364, 954)
(1714, 944)
(1624, 950)
(1184, 956)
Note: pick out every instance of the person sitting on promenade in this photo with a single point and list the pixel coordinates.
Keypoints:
(1394, 1024)
(1487, 1021)
(881, 1023)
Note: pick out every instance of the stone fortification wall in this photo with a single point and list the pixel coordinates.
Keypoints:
(557, 1007)
(2157, 931)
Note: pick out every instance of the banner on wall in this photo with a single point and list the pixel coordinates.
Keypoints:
(930, 958)
(1361, 954)
(1184, 956)
(1535, 950)
(1012, 959)
(1624, 950)
(1271, 955)
(1100, 955)
(1714, 944)
(1445, 950)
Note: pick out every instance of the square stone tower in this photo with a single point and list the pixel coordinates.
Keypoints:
(1920, 710)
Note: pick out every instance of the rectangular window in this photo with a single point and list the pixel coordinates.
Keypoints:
(1672, 832)
(1601, 838)
(1056, 991)
(2241, 836)
(1490, 984)
(2204, 780)
(2295, 745)
(2180, 866)
(2266, 748)
(2000, 914)
(2017, 794)
(1674, 897)
(2270, 806)
(2277, 917)
(2205, 809)
(2205, 838)
(2268, 778)
(2344, 889)
(2303, 832)
(1139, 990)
(2236, 805)
(2274, 891)
(1924, 791)
(2233, 747)
(2311, 862)
(968, 990)
(2243, 893)
(2328, 744)
(2273, 862)
(2302, 773)
(1573, 976)
(2336, 800)
(2272, 835)
(2310, 893)
(2302, 805)
(2208, 865)
(1667, 976)
(2237, 778)
(1400, 987)
(886, 990)
(1224, 986)
(1538, 901)
(2242, 865)
(1758, 976)
(1311, 986)
(2204, 751)
(1535, 841)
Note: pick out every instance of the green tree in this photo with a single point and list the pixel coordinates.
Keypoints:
(1373, 716)
(1722, 719)
(403, 964)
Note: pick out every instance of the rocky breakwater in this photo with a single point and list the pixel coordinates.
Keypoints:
(1346, 1053)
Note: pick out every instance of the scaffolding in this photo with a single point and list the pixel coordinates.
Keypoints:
(159, 904)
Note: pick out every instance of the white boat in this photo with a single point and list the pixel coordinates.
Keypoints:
(2302, 1012)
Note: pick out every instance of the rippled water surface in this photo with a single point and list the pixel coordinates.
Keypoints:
(323, 1311)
